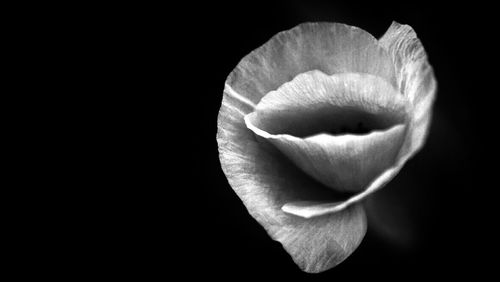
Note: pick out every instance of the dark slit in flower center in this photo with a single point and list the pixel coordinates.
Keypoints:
(330, 120)
(351, 123)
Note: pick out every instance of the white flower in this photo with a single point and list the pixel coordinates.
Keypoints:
(322, 110)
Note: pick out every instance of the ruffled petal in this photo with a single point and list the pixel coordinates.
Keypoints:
(415, 80)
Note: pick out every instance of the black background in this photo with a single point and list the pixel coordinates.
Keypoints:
(441, 191)
(149, 82)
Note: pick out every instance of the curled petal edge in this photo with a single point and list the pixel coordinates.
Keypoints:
(309, 210)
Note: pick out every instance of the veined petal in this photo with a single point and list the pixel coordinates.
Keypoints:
(327, 47)
(314, 103)
(415, 80)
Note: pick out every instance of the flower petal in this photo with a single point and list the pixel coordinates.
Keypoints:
(313, 100)
(327, 47)
(415, 80)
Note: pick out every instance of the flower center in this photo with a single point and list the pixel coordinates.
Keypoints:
(334, 121)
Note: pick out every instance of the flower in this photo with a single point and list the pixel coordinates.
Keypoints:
(322, 111)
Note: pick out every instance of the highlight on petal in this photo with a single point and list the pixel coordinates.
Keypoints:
(313, 105)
